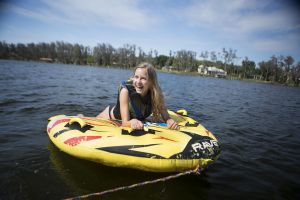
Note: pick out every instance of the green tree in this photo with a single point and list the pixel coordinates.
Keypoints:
(185, 60)
(265, 69)
(295, 74)
(248, 68)
(162, 60)
(4, 50)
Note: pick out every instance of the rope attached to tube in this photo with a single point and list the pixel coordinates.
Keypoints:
(194, 171)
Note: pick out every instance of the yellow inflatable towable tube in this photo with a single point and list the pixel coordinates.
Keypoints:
(156, 148)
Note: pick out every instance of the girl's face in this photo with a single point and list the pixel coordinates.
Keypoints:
(141, 81)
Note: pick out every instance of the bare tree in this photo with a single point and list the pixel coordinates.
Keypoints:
(288, 62)
(229, 56)
(213, 56)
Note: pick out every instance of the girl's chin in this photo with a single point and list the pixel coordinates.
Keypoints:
(140, 92)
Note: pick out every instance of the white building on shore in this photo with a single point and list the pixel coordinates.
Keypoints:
(169, 68)
(212, 71)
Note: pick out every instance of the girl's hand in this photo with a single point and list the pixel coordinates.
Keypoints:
(80, 115)
(136, 124)
(172, 124)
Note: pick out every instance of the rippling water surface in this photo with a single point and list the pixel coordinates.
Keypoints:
(258, 126)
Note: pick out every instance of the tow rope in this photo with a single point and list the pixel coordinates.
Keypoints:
(193, 171)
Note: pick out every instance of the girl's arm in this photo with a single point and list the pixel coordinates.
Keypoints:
(124, 109)
(166, 117)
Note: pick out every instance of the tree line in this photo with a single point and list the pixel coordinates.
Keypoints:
(281, 69)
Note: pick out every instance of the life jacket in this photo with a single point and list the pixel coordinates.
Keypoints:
(139, 107)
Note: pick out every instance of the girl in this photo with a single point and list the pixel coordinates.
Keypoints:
(138, 98)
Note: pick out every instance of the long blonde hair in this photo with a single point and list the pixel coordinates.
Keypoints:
(157, 98)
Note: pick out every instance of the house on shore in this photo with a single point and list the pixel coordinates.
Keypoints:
(169, 68)
(212, 71)
(49, 60)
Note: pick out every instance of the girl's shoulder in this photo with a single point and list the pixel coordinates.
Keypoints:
(128, 85)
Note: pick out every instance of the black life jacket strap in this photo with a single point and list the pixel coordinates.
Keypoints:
(136, 110)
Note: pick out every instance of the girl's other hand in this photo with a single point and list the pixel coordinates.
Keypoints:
(172, 124)
(136, 124)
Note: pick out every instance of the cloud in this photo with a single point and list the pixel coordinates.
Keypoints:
(273, 21)
(276, 45)
(265, 23)
(239, 16)
(125, 14)
(42, 15)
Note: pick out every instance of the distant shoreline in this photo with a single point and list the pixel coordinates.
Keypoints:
(229, 77)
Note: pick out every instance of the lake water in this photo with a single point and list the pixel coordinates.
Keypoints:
(258, 127)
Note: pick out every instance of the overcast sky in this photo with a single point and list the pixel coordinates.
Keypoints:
(255, 28)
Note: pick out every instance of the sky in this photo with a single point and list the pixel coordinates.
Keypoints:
(256, 29)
